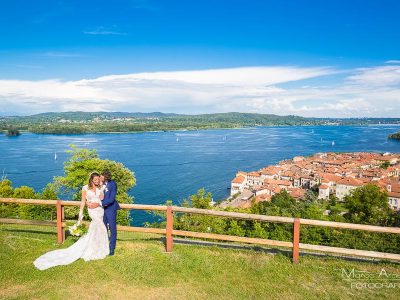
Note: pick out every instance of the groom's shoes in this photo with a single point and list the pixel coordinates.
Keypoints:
(111, 253)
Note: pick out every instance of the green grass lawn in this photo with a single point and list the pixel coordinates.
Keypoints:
(142, 270)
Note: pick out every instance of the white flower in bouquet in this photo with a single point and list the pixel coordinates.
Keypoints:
(77, 230)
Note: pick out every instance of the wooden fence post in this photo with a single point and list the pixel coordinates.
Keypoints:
(170, 225)
(296, 240)
(60, 219)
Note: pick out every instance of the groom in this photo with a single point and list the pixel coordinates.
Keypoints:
(110, 206)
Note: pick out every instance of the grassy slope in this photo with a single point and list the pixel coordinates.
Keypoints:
(140, 270)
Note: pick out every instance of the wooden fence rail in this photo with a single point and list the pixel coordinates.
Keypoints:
(169, 231)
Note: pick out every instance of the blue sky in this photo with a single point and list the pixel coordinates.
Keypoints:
(326, 57)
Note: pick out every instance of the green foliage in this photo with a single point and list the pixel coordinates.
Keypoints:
(258, 231)
(368, 205)
(395, 136)
(385, 165)
(49, 192)
(282, 204)
(25, 211)
(311, 195)
(76, 174)
(24, 192)
(333, 200)
(13, 132)
(6, 190)
(235, 229)
(201, 199)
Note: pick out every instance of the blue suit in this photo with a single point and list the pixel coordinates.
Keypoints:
(110, 211)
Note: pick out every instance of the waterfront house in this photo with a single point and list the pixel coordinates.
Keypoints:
(323, 191)
(238, 184)
(345, 185)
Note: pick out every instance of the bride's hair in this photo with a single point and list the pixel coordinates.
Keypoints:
(92, 176)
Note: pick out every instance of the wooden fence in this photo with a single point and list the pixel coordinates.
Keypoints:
(169, 231)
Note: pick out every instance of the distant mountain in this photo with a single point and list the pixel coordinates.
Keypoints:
(79, 115)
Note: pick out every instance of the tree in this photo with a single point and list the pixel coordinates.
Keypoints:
(24, 192)
(333, 200)
(311, 195)
(76, 173)
(235, 228)
(49, 192)
(201, 199)
(6, 190)
(313, 211)
(384, 165)
(368, 204)
(283, 199)
(13, 132)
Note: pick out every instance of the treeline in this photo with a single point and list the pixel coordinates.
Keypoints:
(121, 127)
(395, 136)
(365, 205)
(91, 122)
(80, 122)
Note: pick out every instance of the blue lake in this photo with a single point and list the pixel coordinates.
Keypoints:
(174, 165)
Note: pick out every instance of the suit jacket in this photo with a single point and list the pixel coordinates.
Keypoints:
(109, 202)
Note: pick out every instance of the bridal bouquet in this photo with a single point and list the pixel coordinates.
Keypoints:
(77, 230)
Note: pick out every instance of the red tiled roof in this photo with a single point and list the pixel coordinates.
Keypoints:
(350, 181)
(238, 179)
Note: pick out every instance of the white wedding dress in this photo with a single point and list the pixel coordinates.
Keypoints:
(92, 245)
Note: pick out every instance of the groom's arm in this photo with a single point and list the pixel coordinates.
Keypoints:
(111, 195)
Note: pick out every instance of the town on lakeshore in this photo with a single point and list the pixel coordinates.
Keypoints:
(327, 173)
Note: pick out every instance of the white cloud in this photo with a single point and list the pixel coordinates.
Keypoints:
(392, 62)
(377, 76)
(250, 89)
(235, 76)
(101, 30)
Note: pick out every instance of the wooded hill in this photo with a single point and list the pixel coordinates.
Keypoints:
(91, 122)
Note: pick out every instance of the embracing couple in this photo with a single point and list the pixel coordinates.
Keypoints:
(99, 196)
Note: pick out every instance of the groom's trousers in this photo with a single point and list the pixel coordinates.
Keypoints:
(110, 219)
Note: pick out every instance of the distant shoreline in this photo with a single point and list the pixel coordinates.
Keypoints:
(117, 122)
(23, 131)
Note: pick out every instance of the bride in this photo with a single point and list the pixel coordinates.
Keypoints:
(94, 244)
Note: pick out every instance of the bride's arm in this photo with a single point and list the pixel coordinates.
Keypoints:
(83, 202)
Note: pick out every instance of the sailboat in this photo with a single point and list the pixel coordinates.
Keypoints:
(333, 143)
(177, 139)
(55, 155)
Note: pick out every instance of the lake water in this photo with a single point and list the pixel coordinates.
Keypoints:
(174, 165)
